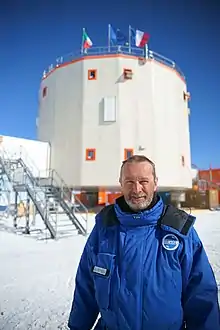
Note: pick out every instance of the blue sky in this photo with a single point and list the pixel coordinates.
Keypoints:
(33, 33)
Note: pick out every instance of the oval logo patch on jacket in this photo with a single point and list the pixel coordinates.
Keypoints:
(170, 242)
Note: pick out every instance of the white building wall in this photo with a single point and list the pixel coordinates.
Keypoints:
(103, 136)
(184, 134)
(151, 119)
(136, 105)
(35, 154)
(46, 116)
(170, 127)
(63, 108)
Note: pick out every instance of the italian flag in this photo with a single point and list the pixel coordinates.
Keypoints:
(141, 38)
(87, 42)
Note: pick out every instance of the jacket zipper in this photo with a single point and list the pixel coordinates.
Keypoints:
(142, 289)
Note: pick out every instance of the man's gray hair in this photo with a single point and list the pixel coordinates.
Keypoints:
(139, 159)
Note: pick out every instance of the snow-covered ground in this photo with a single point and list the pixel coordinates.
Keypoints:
(37, 277)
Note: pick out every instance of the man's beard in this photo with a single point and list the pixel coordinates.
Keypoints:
(141, 205)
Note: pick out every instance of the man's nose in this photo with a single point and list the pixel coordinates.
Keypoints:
(137, 187)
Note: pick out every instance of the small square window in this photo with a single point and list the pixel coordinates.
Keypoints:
(92, 74)
(186, 96)
(44, 93)
(128, 153)
(128, 74)
(90, 154)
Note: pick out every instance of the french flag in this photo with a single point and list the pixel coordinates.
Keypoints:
(141, 38)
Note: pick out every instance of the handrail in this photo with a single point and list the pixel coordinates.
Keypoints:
(72, 209)
(37, 190)
(3, 152)
(29, 162)
(61, 183)
(161, 58)
(33, 193)
(207, 183)
(23, 154)
(29, 165)
(27, 169)
(113, 50)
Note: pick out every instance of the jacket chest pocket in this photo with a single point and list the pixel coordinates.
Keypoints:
(102, 271)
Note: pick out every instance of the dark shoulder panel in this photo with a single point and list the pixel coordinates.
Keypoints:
(176, 219)
(108, 216)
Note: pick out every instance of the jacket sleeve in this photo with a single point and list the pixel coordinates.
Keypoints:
(84, 309)
(201, 307)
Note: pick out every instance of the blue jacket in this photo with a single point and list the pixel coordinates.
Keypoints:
(141, 276)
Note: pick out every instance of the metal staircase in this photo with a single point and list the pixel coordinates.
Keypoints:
(50, 196)
(61, 194)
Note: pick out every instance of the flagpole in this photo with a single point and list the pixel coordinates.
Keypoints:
(210, 173)
(83, 31)
(129, 38)
(109, 37)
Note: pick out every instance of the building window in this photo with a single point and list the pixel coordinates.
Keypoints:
(128, 74)
(183, 160)
(128, 153)
(186, 96)
(90, 154)
(92, 74)
(44, 93)
(109, 109)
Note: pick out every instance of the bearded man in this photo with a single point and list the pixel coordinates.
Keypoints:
(144, 266)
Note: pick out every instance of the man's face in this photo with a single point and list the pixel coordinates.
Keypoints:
(138, 184)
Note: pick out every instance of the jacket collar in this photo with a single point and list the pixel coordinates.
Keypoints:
(150, 216)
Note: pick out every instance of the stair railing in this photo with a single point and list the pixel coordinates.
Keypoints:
(40, 200)
(66, 194)
(6, 162)
(206, 184)
(29, 162)
(57, 181)
(38, 193)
